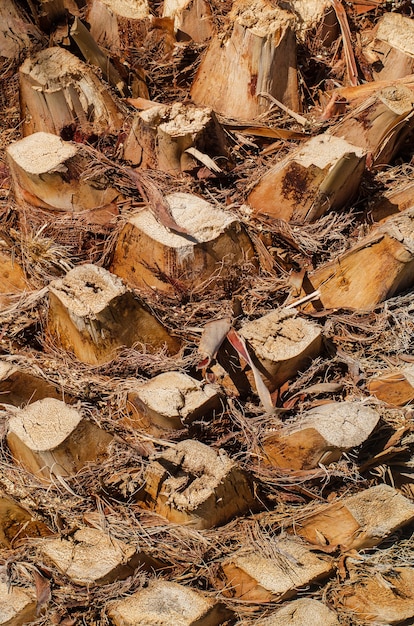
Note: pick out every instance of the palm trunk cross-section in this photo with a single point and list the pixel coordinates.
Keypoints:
(93, 314)
(62, 95)
(192, 484)
(150, 256)
(47, 172)
(50, 438)
(256, 55)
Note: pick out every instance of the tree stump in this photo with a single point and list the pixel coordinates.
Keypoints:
(16, 523)
(117, 25)
(150, 256)
(17, 604)
(12, 276)
(19, 386)
(391, 52)
(378, 267)
(360, 521)
(172, 400)
(193, 19)
(256, 56)
(393, 202)
(92, 557)
(47, 172)
(323, 174)
(380, 124)
(300, 612)
(395, 388)
(316, 17)
(50, 438)
(164, 602)
(319, 436)
(283, 344)
(92, 314)
(192, 484)
(291, 564)
(16, 35)
(165, 137)
(384, 596)
(60, 94)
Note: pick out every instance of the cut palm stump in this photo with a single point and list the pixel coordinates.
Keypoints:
(393, 201)
(60, 94)
(92, 557)
(19, 385)
(176, 139)
(395, 388)
(172, 400)
(391, 52)
(283, 344)
(192, 484)
(360, 521)
(378, 267)
(380, 595)
(256, 56)
(47, 173)
(300, 613)
(319, 435)
(17, 604)
(193, 19)
(16, 35)
(380, 125)
(168, 603)
(150, 256)
(323, 174)
(314, 18)
(291, 564)
(12, 276)
(116, 25)
(17, 523)
(92, 314)
(50, 437)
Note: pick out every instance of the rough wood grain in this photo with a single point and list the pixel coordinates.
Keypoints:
(93, 314)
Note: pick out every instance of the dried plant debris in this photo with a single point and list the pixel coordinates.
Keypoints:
(206, 312)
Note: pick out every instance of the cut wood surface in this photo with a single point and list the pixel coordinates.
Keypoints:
(376, 268)
(92, 314)
(252, 576)
(150, 256)
(392, 50)
(16, 523)
(320, 435)
(396, 387)
(17, 604)
(359, 521)
(91, 556)
(171, 400)
(380, 124)
(323, 174)
(384, 598)
(193, 19)
(300, 612)
(50, 438)
(165, 602)
(16, 34)
(116, 24)
(206, 312)
(194, 485)
(283, 344)
(167, 138)
(12, 276)
(60, 94)
(47, 173)
(257, 56)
